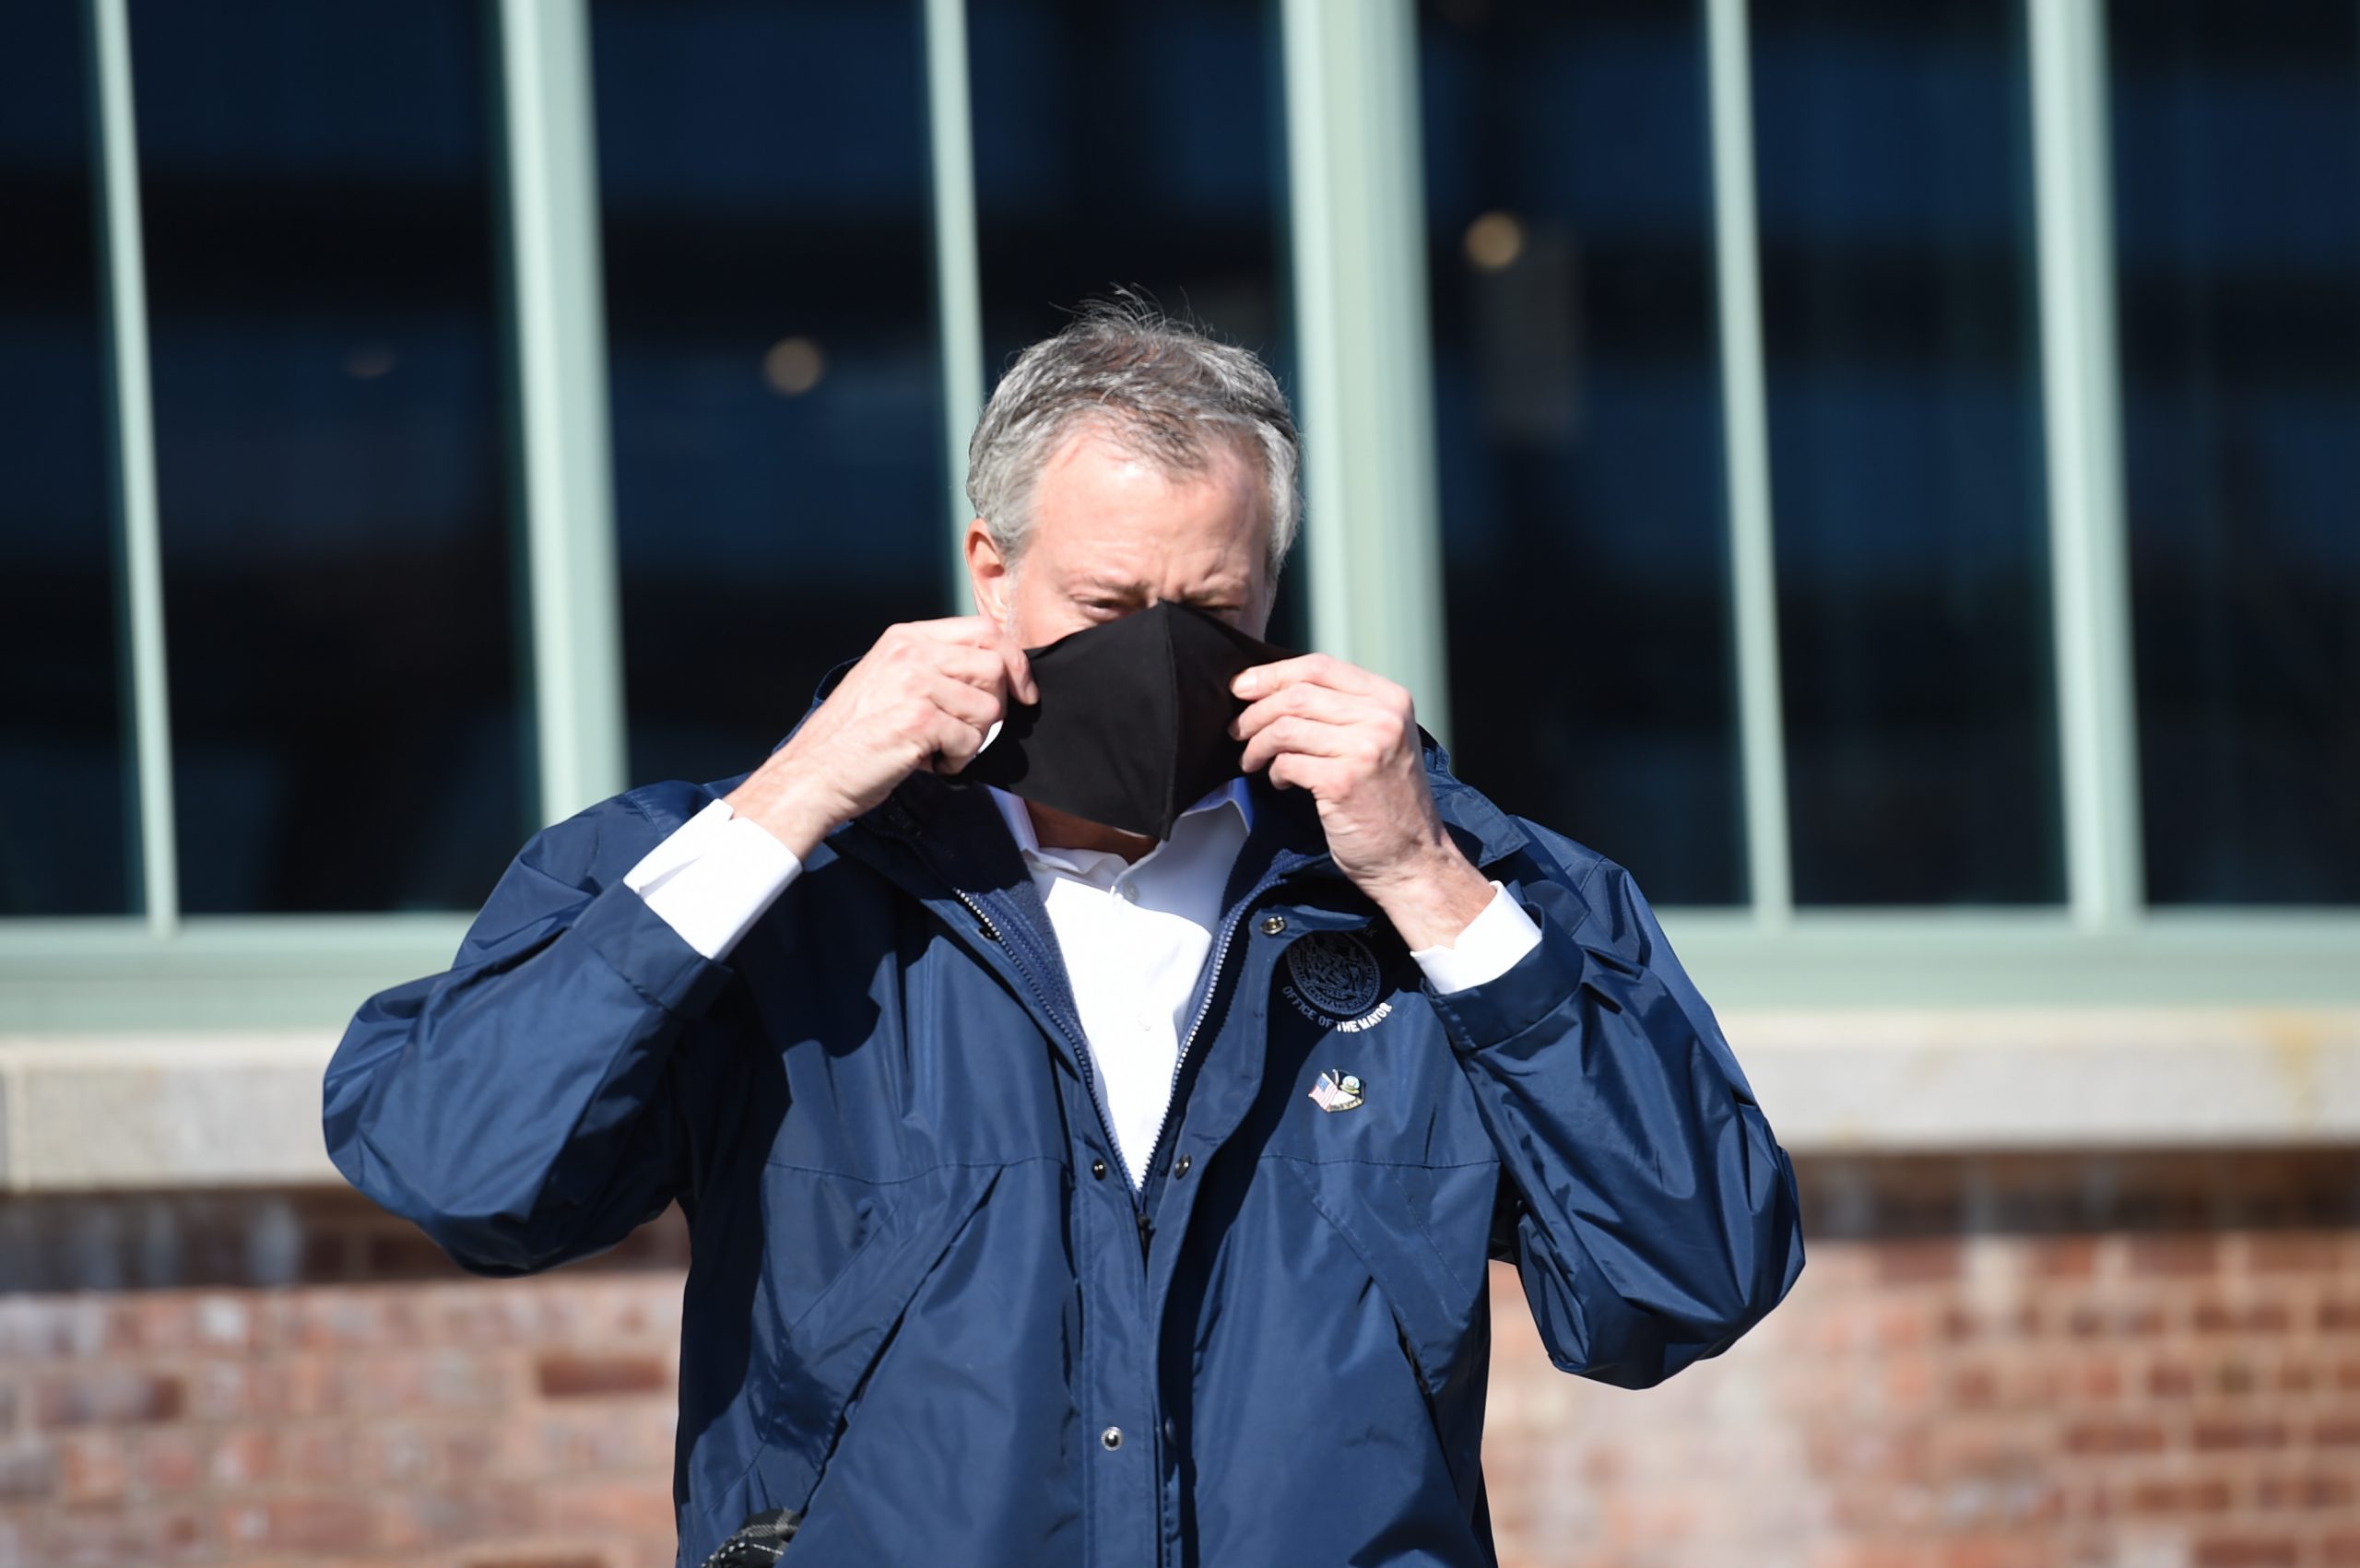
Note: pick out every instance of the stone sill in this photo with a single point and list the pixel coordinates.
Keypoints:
(231, 1109)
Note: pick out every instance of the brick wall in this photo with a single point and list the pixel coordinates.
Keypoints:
(2097, 1362)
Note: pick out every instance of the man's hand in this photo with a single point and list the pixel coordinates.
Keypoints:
(1351, 738)
(923, 697)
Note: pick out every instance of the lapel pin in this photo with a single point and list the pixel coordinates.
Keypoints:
(1337, 1091)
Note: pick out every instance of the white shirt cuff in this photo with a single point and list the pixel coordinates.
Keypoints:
(712, 877)
(1487, 948)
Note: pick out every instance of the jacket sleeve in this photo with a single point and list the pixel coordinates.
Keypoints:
(519, 1107)
(1655, 1216)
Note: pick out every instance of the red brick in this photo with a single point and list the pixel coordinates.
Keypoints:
(28, 1469)
(2341, 1431)
(2299, 1251)
(2206, 1495)
(2063, 1257)
(2173, 1256)
(2254, 1317)
(1974, 1388)
(92, 1467)
(2170, 1380)
(410, 1522)
(599, 1508)
(2101, 1378)
(2249, 1551)
(2115, 1437)
(1919, 1262)
(2232, 1377)
(321, 1455)
(312, 1527)
(244, 1458)
(107, 1395)
(2307, 1492)
(565, 1376)
(2296, 1378)
(2240, 1432)
(167, 1461)
(2340, 1314)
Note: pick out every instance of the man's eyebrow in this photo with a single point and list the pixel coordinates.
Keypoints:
(1111, 586)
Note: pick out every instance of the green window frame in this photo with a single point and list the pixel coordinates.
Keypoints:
(1355, 209)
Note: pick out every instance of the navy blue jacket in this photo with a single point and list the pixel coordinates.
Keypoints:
(925, 1307)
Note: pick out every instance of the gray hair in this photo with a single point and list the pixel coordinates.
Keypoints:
(1162, 389)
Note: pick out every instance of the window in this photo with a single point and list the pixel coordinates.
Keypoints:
(2236, 180)
(1900, 336)
(67, 784)
(317, 191)
(775, 377)
(1762, 332)
(1578, 420)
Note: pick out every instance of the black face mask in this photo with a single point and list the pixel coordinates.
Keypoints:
(1132, 727)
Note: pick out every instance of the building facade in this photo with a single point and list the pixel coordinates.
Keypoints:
(1883, 473)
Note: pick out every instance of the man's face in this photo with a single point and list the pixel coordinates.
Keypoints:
(1113, 534)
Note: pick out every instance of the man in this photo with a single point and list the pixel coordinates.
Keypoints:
(1061, 1192)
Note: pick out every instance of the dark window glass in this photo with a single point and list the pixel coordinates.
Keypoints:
(776, 389)
(2237, 179)
(318, 191)
(1900, 320)
(1577, 405)
(1139, 145)
(67, 784)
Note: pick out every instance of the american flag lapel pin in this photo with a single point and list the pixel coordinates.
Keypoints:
(1336, 1090)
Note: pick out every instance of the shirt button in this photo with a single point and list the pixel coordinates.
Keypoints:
(1130, 892)
(1098, 1169)
(1273, 924)
(1170, 1429)
(1112, 1437)
(1180, 1166)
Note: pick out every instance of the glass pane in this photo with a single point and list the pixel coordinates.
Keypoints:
(779, 486)
(318, 191)
(1142, 146)
(1578, 406)
(1900, 318)
(68, 793)
(2237, 178)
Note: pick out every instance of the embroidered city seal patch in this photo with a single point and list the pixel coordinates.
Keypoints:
(1333, 979)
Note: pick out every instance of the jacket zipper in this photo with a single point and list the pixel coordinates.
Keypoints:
(1088, 1077)
(1204, 1010)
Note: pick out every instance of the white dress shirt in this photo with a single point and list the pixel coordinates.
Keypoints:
(1135, 935)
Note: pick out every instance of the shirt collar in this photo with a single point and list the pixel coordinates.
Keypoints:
(1020, 820)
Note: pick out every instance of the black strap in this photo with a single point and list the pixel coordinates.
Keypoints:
(760, 1541)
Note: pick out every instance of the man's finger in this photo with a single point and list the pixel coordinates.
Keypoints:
(983, 668)
(1302, 700)
(1298, 736)
(1019, 669)
(1263, 680)
(1007, 666)
(955, 743)
(962, 700)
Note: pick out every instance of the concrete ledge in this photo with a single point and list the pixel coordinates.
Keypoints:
(203, 1109)
(1984, 1078)
(195, 1109)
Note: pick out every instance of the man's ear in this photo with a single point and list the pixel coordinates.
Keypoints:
(990, 576)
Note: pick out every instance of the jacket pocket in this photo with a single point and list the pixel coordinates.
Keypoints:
(824, 1333)
(1440, 1312)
